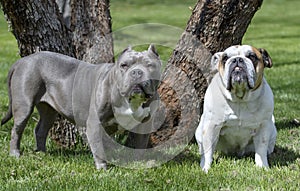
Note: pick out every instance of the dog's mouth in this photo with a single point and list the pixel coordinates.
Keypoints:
(140, 91)
(240, 81)
(239, 78)
(140, 96)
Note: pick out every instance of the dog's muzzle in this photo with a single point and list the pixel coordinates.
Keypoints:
(142, 94)
(146, 89)
(240, 74)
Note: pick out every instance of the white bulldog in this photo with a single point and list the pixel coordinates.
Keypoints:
(238, 107)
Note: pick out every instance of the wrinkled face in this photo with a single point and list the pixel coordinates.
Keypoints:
(241, 68)
(140, 72)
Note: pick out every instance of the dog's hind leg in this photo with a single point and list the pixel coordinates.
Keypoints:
(21, 116)
(47, 118)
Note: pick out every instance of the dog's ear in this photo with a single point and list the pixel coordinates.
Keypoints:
(152, 49)
(266, 58)
(215, 59)
(125, 50)
(129, 48)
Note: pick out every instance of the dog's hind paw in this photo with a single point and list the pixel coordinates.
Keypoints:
(101, 166)
(15, 153)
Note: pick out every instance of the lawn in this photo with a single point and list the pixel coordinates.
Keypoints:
(275, 27)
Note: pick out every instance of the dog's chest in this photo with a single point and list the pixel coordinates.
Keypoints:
(242, 122)
(238, 135)
(243, 114)
(127, 119)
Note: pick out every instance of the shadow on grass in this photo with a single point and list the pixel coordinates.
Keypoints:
(186, 156)
(70, 152)
(280, 157)
(287, 124)
(283, 156)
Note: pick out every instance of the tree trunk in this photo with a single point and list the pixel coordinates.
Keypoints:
(38, 25)
(212, 27)
(92, 35)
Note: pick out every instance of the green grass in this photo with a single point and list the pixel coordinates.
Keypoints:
(275, 27)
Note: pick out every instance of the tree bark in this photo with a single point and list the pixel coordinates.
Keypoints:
(92, 34)
(212, 27)
(38, 25)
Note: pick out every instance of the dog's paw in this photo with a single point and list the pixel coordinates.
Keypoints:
(205, 168)
(101, 166)
(15, 153)
(261, 161)
(205, 163)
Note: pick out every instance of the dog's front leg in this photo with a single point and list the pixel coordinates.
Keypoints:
(261, 143)
(138, 141)
(95, 139)
(207, 135)
(139, 136)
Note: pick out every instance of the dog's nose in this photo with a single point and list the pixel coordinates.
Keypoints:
(136, 73)
(238, 61)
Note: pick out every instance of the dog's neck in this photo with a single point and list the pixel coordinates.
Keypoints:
(242, 94)
(128, 117)
(240, 91)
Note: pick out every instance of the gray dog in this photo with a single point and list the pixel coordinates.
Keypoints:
(100, 97)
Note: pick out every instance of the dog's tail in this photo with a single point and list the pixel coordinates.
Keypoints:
(9, 114)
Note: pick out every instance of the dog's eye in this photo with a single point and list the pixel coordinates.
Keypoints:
(124, 66)
(224, 58)
(150, 65)
(253, 58)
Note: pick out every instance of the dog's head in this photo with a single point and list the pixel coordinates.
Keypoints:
(241, 68)
(140, 73)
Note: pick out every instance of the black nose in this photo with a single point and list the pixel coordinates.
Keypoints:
(136, 73)
(238, 61)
